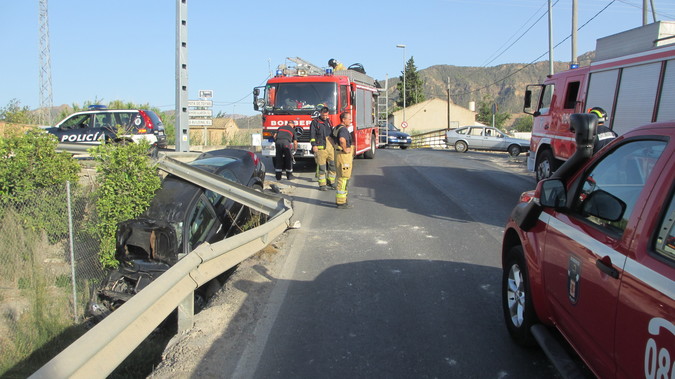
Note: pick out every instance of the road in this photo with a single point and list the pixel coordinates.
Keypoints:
(405, 284)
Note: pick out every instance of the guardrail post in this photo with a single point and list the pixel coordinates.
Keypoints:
(186, 313)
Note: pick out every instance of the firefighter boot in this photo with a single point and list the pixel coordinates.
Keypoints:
(289, 175)
(278, 175)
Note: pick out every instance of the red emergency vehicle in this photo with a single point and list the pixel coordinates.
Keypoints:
(298, 93)
(632, 78)
(591, 252)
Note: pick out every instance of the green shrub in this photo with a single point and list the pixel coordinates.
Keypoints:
(127, 183)
(29, 164)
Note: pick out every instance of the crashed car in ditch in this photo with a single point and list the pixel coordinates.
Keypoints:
(181, 216)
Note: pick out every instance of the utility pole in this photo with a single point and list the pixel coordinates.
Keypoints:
(550, 37)
(181, 119)
(574, 63)
(448, 103)
(46, 102)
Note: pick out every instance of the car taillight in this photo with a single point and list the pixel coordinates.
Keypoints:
(147, 119)
(255, 158)
(267, 134)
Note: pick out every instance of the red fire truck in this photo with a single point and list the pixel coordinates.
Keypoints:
(299, 92)
(632, 78)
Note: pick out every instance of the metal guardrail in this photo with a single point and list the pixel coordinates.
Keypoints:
(98, 352)
(435, 138)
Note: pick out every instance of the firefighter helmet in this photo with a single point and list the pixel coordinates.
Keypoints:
(332, 62)
(602, 115)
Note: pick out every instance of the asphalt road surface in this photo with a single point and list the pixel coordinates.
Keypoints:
(404, 285)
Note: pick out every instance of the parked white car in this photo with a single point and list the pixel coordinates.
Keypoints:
(485, 138)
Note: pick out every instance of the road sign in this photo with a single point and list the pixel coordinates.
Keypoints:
(404, 124)
(200, 103)
(205, 93)
(200, 112)
(195, 122)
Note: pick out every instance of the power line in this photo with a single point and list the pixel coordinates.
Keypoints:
(536, 59)
(522, 35)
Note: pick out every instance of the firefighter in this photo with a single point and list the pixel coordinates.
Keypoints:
(322, 147)
(603, 134)
(343, 159)
(284, 140)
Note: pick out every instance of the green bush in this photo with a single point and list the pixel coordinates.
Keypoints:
(29, 163)
(127, 183)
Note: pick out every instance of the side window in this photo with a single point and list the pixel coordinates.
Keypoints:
(201, 222)
(476, 132)
(76, 122)
(104, 120)
(462, 131)
(546, 99)
(621, 174)
(665, 240)
(126, 119)
(571, 95)
(343, 98)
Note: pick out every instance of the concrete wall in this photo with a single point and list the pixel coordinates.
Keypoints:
(433, 115)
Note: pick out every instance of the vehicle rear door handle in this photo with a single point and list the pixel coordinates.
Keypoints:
(546, 126)
(605, 265)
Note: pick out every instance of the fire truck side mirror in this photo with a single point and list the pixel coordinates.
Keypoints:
(256, 93)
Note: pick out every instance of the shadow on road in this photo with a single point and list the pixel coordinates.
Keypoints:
(381, 318)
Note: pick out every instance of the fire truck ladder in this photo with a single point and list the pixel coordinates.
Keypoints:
(383, 112)
(310, 68)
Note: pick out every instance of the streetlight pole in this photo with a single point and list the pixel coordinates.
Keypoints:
(404, 93)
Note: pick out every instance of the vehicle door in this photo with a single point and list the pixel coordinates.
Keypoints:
(584, 255)
(645, 338)
(105, 123)
(493, 140)
(474, 138)
(77, 128)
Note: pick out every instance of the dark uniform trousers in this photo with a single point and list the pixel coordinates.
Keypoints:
(283, 161)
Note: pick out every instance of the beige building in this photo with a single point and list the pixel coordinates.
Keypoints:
(222, 130)
(433, 115)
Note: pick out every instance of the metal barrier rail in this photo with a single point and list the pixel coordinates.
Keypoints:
(98, 352)
(435, 138)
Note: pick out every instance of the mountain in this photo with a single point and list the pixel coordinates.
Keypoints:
(505, 83)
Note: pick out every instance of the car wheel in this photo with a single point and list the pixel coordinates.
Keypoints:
(519, 313)
(546, 165)
(404, 147)
(370, 153)
(461, 146)
(514, 150)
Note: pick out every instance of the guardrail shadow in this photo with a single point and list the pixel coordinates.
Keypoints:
(378, 318)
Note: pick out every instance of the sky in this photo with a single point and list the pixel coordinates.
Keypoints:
(125, 49)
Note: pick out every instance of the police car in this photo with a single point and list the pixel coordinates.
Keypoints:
(591, 252)
(101, 124)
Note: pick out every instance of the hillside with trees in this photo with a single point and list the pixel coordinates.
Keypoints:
(504, 84)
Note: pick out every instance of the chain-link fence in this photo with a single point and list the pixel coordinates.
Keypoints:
(48, 265)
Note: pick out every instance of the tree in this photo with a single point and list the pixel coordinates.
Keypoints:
(485, 113)
(414, 85)
(14, 113)
(523, 124)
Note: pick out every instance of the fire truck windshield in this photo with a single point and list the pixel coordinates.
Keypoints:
(299, 98)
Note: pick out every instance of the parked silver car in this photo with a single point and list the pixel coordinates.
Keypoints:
(484, 138)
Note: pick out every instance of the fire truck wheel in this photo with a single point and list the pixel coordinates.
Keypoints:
(517, 298)
(546, 165)
(514, 150)
(461, 146)
(370, 153)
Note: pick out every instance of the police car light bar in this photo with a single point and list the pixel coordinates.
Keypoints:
(94, 107)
